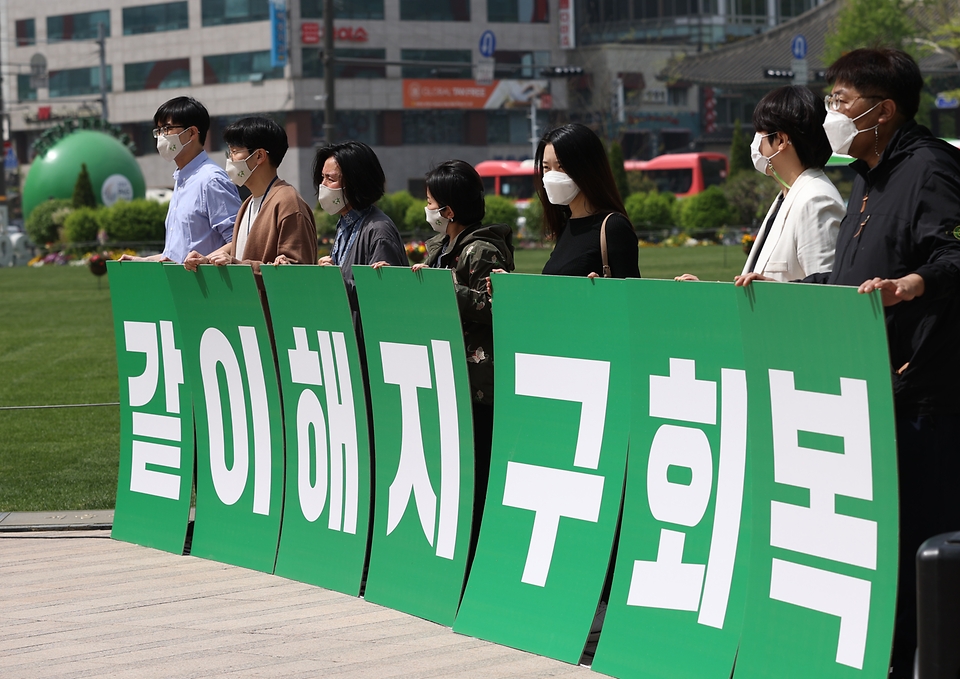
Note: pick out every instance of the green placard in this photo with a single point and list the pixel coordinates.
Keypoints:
(326, 509)
(424, 440)
(562, 412)
(236, 398)
(823, 571)
(676, 606)
(156, 416)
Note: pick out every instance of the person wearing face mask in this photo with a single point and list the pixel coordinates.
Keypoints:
(455, 209)
(576, 187)
(798, 236)
(204, 205)
(349, 181)
(901, 236)
(274, 224)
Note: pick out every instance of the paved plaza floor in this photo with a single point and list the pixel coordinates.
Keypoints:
(75, 603)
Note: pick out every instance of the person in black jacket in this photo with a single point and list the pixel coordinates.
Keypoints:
(901, 236)
(576, 187)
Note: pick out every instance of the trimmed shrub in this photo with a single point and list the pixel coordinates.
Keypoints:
(395, 206)
(533, 214)
(135, 221)
(706, 210)
(43, 224)
(81, 225)
(326, 224)
(650, 210)
(415, 219)
(500, 210)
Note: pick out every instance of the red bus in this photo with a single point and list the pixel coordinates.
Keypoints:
(511, 179)
(683, 174)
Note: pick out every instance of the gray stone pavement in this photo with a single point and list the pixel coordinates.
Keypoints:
(79, 604)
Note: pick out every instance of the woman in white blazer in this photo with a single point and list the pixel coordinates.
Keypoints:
(798, 236)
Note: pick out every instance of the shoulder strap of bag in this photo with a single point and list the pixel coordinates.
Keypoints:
(607, 273)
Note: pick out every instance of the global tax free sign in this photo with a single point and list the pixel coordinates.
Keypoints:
(701, 458)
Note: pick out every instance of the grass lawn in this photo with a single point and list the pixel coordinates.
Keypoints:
(709, 263)
(57, 347)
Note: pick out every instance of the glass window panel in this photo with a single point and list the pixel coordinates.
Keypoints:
(508, 127)
(167, 16)
(519, 64)
(363, 126)
(26, 32)
(518, 11)
(433, 127)
(156, 75)
(24, 91)
(239, 67)
(221, 12)
(313, 64)
(77, 26)
(74, 81)
(443, 66)
(435, 10)
(343, 9)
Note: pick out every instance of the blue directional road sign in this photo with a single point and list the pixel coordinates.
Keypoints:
(488, 44)
(799, 46)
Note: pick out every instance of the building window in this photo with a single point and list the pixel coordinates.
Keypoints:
(518, 11)
(77, 26)
(508, 127)
(439, 64)
(156, 75)
(168, 16)
(755, 8)
(362, 126)
(25, 92)
(70, 82)
(519, 64)
(794, 8)
(433, 127)
(26, 32)
(343, 9)
(313, 63)
(677, 96)
(435, 10)
(238, 68)
(221, 12)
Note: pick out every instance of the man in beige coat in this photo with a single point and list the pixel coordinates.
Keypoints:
(274, 225)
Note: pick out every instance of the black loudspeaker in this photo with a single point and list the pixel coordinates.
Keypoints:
(938, 607)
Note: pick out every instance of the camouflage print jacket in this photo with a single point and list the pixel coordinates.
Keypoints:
(473, 254)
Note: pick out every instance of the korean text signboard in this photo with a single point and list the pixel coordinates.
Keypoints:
(745, 459)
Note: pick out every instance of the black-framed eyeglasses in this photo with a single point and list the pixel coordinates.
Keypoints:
(165, 130)
(832, 102)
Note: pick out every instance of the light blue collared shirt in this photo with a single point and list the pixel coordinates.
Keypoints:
(202, 211)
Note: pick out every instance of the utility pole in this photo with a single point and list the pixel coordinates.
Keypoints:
(534, 140)
(3, 146)
(102, 42)
(329, 61)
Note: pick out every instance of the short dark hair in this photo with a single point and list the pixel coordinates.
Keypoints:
(185, 111)
(255, 133)
(798, 113)
(881, 71)
(583, 158)
(361, 174)
(456, 184)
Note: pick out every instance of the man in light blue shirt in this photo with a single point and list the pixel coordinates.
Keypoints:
(205, 202)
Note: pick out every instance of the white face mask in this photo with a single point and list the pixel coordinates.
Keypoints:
(239, 171)
(561, 190)
(436, 222)
(841, 130)
(169, 146)
(762, 163)
(331, 200)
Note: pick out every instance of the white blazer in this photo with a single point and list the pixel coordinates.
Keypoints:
(803, 237)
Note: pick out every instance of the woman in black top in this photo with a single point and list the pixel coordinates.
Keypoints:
(576, 187)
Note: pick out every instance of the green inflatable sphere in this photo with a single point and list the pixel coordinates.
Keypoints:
(114, 172)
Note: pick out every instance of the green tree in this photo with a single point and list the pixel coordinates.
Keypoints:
(533, 219)
(135, 221)
(619, 173)
(871, 23)
(650, 210)
(415, 219)
(739, 150)
(83, 190)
